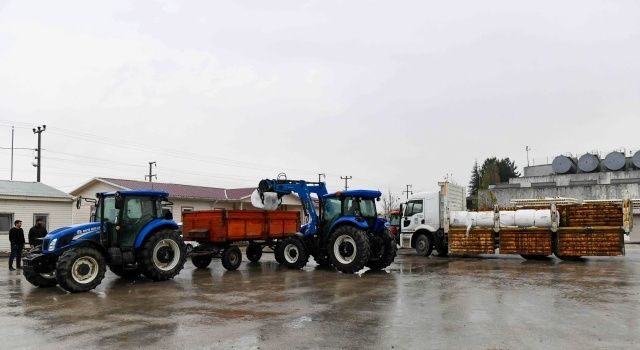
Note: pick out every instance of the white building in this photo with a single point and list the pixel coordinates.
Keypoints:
(184, 197)
(28, 201)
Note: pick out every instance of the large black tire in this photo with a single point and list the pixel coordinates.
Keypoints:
(383, 251)
(533, 257)
(349, 249)
(254, 252)
(442, 248)
(129, 274)
(292, 253)
(162, 255)
(41, 280)
(201, 261)
(80, 269)
(275, 253)
(424, 245)
(232, 258)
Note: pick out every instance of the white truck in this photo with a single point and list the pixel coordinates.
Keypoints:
(425, 218)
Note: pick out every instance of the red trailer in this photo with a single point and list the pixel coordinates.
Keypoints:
(219, 231)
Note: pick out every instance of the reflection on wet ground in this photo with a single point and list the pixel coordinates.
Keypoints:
(461, 303)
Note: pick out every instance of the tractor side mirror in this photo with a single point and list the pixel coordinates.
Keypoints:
(119, 201)
(78, 202)
(168, 215)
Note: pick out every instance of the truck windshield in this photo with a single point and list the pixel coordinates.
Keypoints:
(110, 211)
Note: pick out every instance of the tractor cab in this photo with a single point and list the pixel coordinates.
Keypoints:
(352, 206)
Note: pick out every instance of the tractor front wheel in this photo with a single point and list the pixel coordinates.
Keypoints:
(292, 253)
(162, 255)
(80, 269)
(41, 280)
(231, 258)
(349, 249)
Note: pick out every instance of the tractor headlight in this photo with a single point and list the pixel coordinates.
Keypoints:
(52, 244)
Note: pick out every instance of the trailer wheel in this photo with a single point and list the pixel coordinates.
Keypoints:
(424, 245)
(162, 255)
(231, 258)
(383, 251)
(128, 274)
(80, 269)
(254, 252)
(41, 280)
(349, 249)
(201, 261)
(292, 253)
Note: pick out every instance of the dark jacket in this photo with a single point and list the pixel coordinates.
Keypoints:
(36, 232)
(16, 236)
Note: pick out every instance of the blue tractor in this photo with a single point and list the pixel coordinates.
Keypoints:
(345, 233)
(129, 232)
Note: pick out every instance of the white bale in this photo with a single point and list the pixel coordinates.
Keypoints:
(507, 218)
(458, 218)
(271, 201)
(472, 219)
(525, 218)
(543, 218)
(485, 219)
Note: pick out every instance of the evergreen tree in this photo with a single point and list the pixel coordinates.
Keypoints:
(474, 184)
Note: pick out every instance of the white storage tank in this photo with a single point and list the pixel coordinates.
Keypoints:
(564, 165)
(615, 161)
(589, 163)
(636, 160)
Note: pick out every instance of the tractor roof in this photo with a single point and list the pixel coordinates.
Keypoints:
(356, 193)
(144, 193)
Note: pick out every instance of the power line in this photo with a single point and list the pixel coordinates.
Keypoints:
(151, 174)
(408, 191)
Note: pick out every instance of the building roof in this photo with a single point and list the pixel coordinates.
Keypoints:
(30, 189)
(175, 190)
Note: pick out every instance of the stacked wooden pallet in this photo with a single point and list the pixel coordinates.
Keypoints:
(478, 241)
(591, 215)
(526, 242)
(601, 242)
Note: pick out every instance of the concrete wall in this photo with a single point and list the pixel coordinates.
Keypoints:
(59, 215)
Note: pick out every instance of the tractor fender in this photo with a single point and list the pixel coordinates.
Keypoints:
(349, 221)
(422, 230)
(152, 227)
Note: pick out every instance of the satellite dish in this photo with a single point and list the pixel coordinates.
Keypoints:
(271, 201)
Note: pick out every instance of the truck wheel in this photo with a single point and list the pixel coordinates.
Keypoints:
(440, 246)
(41, 280)
(424, 246)
(80, 269)
(383, 251)
(201, 261)
(254, 252)
(349, 249)
(129, 274)
(231, 258)
(292, 253)
(162, 255)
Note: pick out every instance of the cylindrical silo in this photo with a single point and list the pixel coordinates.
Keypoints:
(615, 161)
(589, 163)
(564, 165)
(636, 160)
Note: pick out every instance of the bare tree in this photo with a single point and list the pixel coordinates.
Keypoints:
(390, 201)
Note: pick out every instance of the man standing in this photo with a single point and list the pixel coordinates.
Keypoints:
(37, 233)
(16, 238)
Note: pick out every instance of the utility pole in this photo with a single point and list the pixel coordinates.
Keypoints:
(346, 181)
(527, 149)
(39, 130)
(12, 135)
(408, 191)
(151, 174)
(321, 176)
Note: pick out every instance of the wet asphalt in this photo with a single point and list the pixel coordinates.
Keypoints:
(420, 303)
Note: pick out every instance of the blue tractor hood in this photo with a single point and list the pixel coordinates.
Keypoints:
(69, 233)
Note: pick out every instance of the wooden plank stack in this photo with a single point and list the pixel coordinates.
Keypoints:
(601, 242)
(479, 241)
(526, 242)
(591, 215)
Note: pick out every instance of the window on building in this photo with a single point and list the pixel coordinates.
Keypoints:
(44, 218)
(6, 222)
(187, 209)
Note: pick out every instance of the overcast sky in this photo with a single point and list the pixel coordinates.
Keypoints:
(225, 93)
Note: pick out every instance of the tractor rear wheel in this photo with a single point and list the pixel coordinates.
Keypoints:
(383, 251)
(129, 274)
(349, 249)
(201, 261)
(292, 253)
(231, 258)
(254, 252)
(424, 245)
(41, 280)
(80, 269)
(162, 255)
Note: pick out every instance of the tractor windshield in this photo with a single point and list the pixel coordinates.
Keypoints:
(110, 211)
(359, 207)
